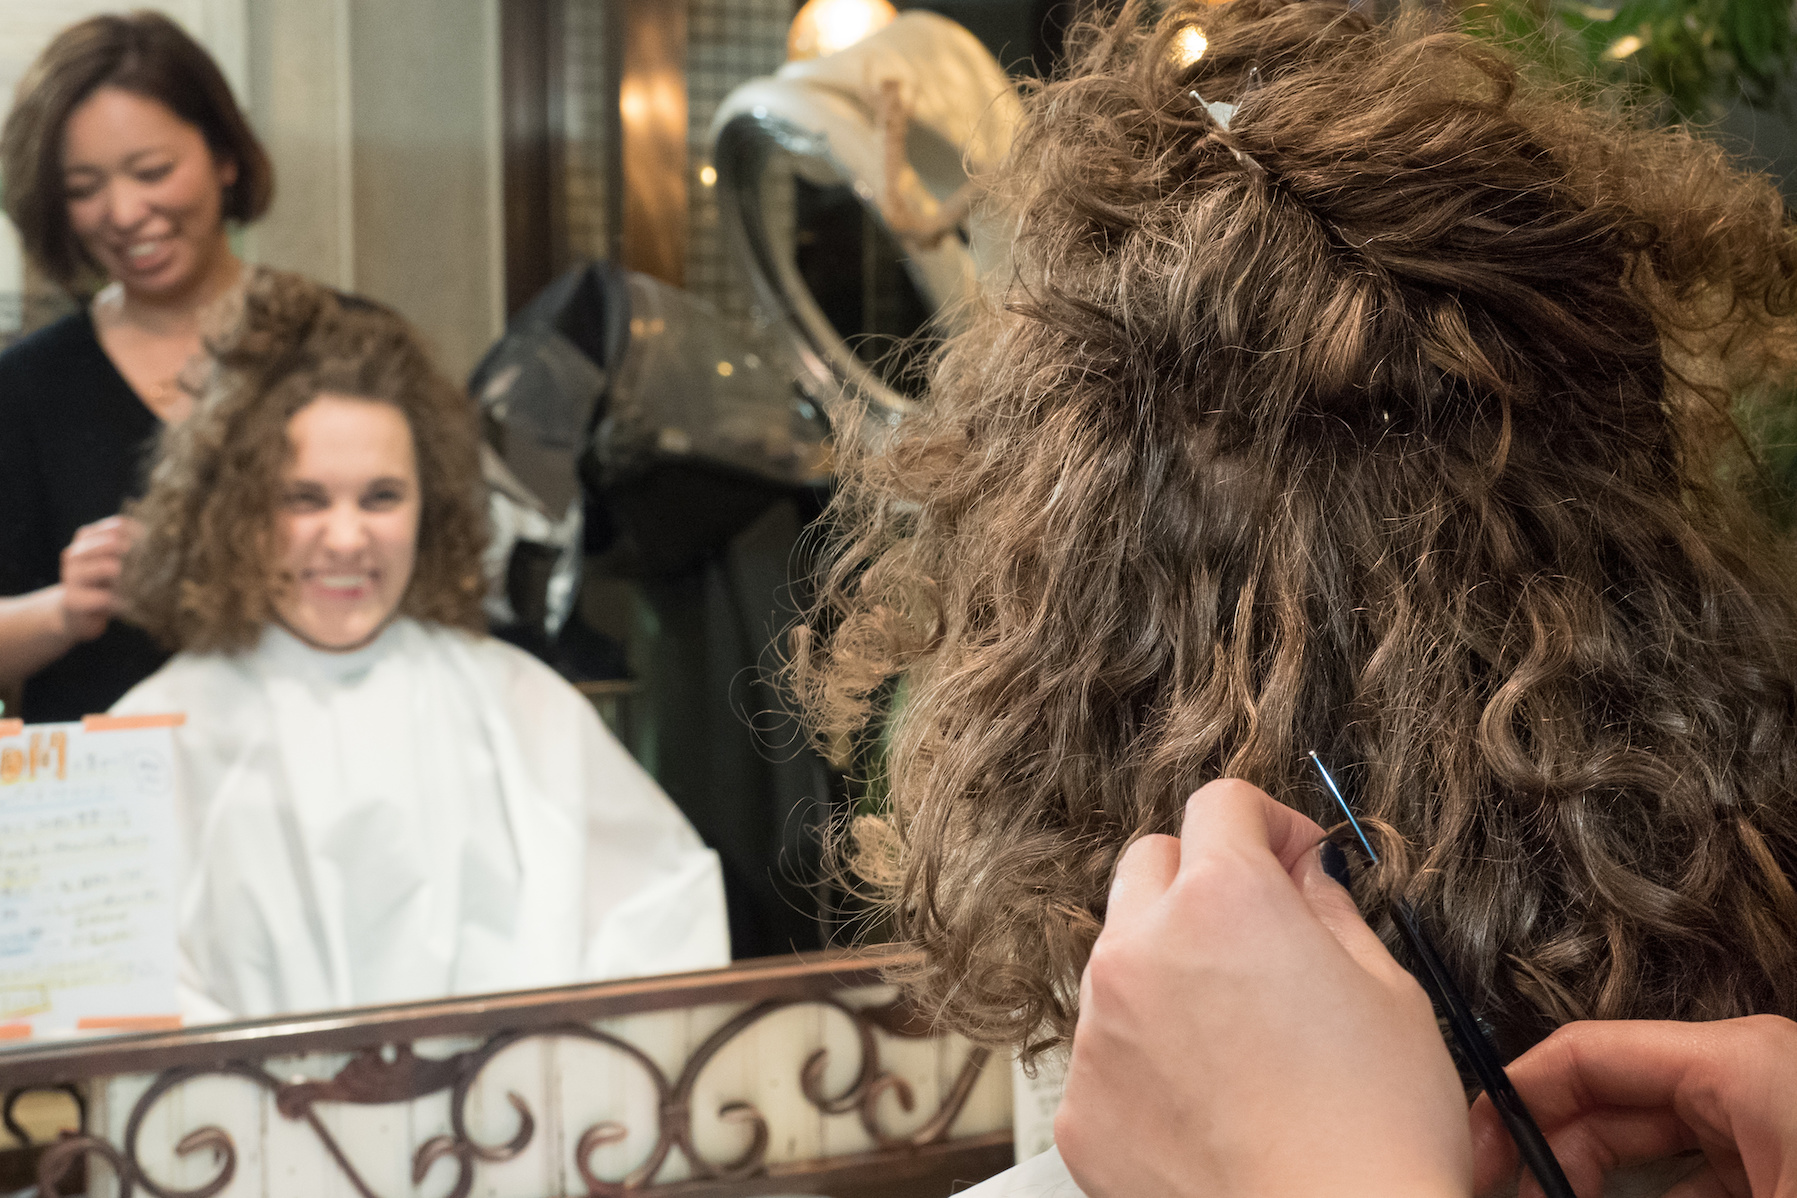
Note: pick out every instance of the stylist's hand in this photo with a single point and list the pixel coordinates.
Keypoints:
(1610, 1094)
(1241, 1031)
(90, 574)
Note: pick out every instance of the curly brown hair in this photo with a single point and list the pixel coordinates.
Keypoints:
(1384, 421)
(200, 579)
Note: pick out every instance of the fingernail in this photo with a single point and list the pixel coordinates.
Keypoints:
(1335, 864)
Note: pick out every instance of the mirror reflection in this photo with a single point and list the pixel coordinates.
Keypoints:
(364, 684)
(380, 801)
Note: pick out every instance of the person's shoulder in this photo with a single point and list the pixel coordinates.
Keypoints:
(543, 705)
(508, 665)
(185, 680)
(48, 352)
(70, 333)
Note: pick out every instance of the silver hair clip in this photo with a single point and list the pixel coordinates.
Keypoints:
(1221, 114)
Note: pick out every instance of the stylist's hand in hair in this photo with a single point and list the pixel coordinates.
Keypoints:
(91, 566)
(1242, 1031)
(1610, 1094)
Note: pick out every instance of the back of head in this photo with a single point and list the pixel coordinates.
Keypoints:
(201, 577)
(141, 52)
(1380, 416)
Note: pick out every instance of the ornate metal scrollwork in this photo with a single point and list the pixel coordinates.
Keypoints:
(9, 1108)
(400, 1075)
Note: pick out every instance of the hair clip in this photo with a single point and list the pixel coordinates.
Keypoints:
(1221, 114)
(1531, 1145)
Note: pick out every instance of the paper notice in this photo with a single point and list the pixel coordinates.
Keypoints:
(87, 855)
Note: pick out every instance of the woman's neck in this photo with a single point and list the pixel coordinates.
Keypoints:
(338, 650)
(177, 313)
(154, 340)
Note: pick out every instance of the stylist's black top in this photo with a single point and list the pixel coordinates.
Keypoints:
(74, 439)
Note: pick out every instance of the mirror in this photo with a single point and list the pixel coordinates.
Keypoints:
(432, 155)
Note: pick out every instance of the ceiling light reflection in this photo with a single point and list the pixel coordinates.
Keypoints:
(826, 26)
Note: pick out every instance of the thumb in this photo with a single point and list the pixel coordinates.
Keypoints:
(1334, 908)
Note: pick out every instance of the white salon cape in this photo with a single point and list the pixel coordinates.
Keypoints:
(434, 814)
(1046, 1176)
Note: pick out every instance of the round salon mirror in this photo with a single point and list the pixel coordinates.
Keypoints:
(843, 186)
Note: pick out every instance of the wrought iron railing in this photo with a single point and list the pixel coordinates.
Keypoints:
(791, 1075)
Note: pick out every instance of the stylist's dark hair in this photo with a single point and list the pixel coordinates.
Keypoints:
(140, 52)
(1386, 422)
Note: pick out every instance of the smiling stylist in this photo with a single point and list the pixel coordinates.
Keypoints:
(123, 156)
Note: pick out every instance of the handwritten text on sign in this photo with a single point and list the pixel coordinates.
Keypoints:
(87, 855)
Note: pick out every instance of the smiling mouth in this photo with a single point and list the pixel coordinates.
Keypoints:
(142, 251)
(343, 583)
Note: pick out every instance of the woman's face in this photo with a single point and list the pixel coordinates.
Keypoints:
(145, 193)
(348, 521)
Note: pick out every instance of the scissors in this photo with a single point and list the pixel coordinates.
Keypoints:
(1468, 1036)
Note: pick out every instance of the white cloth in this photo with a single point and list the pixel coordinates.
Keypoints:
(1042, 1176)
(433, 814)
(1046, 1176)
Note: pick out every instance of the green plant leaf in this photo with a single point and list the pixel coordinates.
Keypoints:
(1687, 55)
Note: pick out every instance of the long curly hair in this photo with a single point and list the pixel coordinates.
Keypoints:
(201, 577)
(1386, 420)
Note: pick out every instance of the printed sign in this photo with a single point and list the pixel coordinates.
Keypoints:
(87, 875)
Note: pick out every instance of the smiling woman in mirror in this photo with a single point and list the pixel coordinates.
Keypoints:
(377, 802)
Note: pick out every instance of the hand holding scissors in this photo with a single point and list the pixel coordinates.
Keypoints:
(1242, 1031)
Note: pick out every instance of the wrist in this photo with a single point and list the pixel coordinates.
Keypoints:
(59, 623)
(33, 632)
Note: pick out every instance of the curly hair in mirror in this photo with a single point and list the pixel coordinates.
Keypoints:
(1386, 420)
(200, 578)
